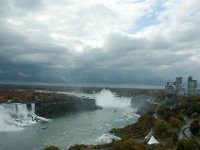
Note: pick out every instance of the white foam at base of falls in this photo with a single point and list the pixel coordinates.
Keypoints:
(107, 138)
(15, 116)
(108, 99)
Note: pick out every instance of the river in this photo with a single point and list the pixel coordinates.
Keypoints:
(73, 128)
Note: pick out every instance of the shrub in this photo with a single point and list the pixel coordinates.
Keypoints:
(175, 122)
(194, 115)
(128, 145)
(194, 127)
(187, 145)
(79, 147)
(162, 128)
(52, 148)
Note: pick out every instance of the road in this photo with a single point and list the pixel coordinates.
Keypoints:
(184, 132)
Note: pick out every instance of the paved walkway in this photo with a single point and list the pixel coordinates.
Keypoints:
(184, 132)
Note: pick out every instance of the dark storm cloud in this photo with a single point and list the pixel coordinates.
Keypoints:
(9, 36)
(87, 42)
(25, 60)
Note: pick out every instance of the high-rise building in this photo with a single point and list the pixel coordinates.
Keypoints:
(178, 83)
(192, 85)
(169, 88)
(179, 86)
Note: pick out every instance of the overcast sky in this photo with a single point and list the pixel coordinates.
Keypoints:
(99, 41)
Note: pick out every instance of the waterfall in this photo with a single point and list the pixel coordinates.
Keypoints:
(15, 116)
(108, 99)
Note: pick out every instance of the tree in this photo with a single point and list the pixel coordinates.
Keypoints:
(52, 148)
(194, 127)
(175, 122)
(187, 145)
(162, 128)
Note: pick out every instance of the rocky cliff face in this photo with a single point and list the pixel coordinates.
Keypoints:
(59, 106)
(48, 104)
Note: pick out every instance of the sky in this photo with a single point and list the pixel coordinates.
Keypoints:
(95, 42)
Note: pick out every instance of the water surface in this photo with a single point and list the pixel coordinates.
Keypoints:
(82, 128)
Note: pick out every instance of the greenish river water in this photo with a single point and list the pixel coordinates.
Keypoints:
(73, 128)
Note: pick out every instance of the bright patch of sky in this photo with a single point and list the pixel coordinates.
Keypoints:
(149, 19)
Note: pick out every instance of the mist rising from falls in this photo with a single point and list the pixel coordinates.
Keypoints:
(15, 116)
(107, 99)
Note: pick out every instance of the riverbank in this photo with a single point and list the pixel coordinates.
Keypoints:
(121, 91)
(165, 122)
(163, 117)
(48, 104)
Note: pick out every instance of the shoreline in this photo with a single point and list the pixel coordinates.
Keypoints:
(162, 113)
(164, 120)
(49, 104)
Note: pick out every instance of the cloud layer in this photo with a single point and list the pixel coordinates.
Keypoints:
(99, 41)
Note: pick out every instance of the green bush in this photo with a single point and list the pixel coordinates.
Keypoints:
(79, 147)
(187, 145)
(194, 115)
(52, 148)
(175, 122)
(195, 127)
(128, 145)
(163, 129)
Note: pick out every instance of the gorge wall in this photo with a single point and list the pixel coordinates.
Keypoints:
(60, 106)
(48, 104)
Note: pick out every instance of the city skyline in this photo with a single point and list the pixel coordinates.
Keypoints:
(177, 87)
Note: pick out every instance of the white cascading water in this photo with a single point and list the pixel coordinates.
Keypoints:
(107, 138)
(14, 116)
(107, 99)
